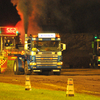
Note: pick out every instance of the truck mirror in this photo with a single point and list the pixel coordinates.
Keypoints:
(63, 46)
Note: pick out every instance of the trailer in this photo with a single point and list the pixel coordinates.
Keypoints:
(43, 54)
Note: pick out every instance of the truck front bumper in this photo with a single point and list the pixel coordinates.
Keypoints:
(41, 70)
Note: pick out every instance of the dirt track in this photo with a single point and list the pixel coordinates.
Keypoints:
(85, 80)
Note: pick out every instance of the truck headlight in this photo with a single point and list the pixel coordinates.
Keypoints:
(59, 63)
(32, 63)
(33, 53)
(59, 53)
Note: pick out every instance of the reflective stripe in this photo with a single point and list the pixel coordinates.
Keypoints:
(2, 62)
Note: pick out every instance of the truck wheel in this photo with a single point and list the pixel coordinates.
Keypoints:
(15, 68)
(26, 71)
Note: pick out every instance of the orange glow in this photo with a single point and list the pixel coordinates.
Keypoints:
(51, 58)
(42, 58)
(33, 27)
(58, 36)
(34, 36)
(12, 57)
(20, 27)
(11, 30)
(8, 30)
(23, 52)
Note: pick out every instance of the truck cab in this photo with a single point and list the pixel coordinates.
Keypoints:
(43, 53)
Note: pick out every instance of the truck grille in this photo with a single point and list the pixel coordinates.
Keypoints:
(46, 60)
(46, 55)
(46, 52)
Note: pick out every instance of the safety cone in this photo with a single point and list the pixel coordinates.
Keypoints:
(27, 83)
(70, 87)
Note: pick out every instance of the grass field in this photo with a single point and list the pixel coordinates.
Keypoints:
(16, 92)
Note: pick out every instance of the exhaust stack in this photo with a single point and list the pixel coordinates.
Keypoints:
(25, 36)
(25, 44)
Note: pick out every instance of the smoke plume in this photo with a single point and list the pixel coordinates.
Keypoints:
(25, 7)
(27, 10)
(41, 14)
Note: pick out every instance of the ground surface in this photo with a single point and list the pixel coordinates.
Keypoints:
(85, 80)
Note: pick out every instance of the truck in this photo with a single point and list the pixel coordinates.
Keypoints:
(43, 54)
(95, 56)
(10, 44)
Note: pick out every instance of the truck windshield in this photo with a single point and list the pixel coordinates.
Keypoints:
(46, 45)
(8, 42)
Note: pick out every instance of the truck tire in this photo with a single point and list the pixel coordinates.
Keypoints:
(26, 71)
(15, 67)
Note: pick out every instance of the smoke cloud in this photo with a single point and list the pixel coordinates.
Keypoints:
(37, 15)
(27, 9)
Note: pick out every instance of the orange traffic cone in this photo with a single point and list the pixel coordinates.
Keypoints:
(27, 83)
(70, 87)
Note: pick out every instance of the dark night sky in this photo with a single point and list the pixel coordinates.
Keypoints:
(74, 16)
(8, 13)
